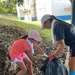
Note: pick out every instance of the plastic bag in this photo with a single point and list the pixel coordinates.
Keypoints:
(67, 61)
(54, 67)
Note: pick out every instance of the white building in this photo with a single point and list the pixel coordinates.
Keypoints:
(35, 9)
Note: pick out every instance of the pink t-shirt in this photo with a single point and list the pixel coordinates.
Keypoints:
(19, 47)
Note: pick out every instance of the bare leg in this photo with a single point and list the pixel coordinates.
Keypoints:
(29, 65)
(72, 64)
(22, 67)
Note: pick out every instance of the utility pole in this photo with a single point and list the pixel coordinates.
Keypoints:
(73, 12)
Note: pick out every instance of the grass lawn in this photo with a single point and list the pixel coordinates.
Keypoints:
(7, 19)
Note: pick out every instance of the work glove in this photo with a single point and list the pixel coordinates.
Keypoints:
(44, 57)
(51, 57)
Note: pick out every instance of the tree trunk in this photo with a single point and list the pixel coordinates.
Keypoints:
(33, 9)
(10, 6)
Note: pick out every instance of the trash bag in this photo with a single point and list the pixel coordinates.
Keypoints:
(43, 68)
(54, 67)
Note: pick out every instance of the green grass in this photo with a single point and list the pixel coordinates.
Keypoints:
(7, 19)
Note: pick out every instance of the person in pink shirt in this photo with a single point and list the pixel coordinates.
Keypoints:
(22, 51)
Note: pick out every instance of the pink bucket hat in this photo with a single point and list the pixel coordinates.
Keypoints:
(34, 35)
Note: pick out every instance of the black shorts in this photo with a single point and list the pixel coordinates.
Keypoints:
(72, 52)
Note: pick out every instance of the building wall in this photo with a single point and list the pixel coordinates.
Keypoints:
(62, 9)
(43, 7)
(35, 9)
